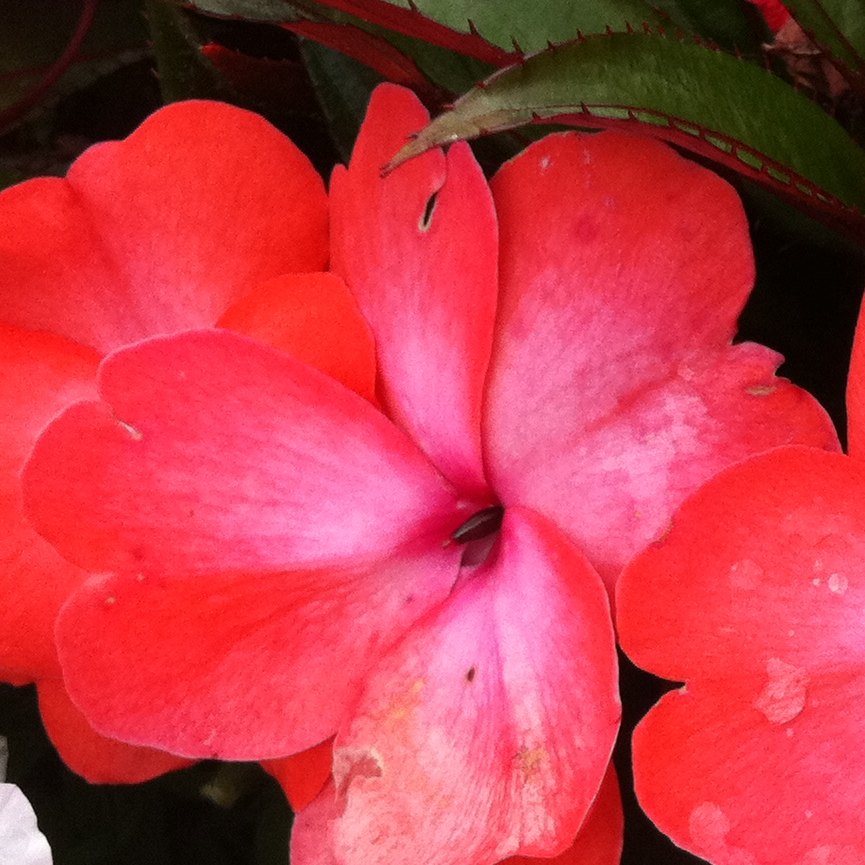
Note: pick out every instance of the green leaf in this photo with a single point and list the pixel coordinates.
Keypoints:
(184, 73)
(728, 23)
(534, 25)
(711, 103)
(837, 26)
(248, 10)
(530, 26)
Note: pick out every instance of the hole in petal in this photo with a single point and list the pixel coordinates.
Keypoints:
(426, 219)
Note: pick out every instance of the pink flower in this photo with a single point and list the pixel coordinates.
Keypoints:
(168, 230)
(754, 600)
(281, 560)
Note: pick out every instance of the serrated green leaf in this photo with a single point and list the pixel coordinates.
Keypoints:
(534, 25)
(247, 10)
(507, 27)
(837, 26)
(704, 100)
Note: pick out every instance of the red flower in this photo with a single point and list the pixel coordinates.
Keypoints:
(754, 599)
(774, 12)
(283, 560)
(168, 230)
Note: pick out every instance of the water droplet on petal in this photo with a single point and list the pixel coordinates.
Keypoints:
(831, 854)
(708, 825)
(745, 574)
(783, 696)
(837, 584)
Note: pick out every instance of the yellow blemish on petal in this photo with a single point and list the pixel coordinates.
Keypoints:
(531, 760)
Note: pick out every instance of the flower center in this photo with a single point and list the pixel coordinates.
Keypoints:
(479, 534)
(480, 525)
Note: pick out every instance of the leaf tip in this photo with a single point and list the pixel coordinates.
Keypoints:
(415, 146)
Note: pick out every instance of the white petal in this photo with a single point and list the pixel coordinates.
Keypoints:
(21, 842)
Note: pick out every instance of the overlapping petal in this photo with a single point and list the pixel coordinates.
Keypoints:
(754, 598)
(302, 776)
(99, 759)
(237, 665)
(160, 232)
(270, 528)
(513, 681)
(599, 841)
(41, 375)
(315, 318)
(856, 396)
(418, 249)
(213, 452)
(613, 389)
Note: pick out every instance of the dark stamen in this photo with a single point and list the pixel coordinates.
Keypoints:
(481, 525)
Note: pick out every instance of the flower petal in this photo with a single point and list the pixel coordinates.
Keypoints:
(754, 598)
(213, 452)
(160, 232)
(856, 393)
(613, 388)
(41, 375)
(761, 563)
(242, 666)
(311, 840)
(314, 317)
(599, 841)
(487, 731)
(21, 842)
(97, 758)
(426, 282)
(302, 776)
(723, 781)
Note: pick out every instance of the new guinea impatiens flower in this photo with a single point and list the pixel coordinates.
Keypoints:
(174, 228)
(280, 560)
(754, 599)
